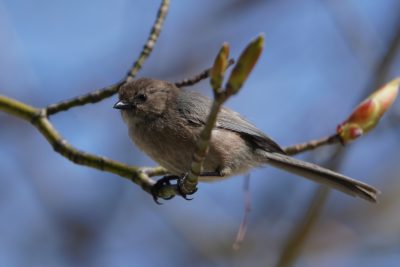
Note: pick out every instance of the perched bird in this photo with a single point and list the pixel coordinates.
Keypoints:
(165, 122)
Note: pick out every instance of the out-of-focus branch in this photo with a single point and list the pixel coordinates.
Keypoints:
(297, 238)
(141, 176)
(383, 66)
(303, 228)
(362, 120)
(247, 208)
(101, 94)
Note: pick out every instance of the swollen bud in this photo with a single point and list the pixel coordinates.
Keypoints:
(367, 114)
(245, 64)
(219, 67)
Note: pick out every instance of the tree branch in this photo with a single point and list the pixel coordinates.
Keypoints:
(190, 183)
(101, 94)
(239, 74)
(151, 41)
(201, 76)
(37, 117)
(311, 145)
(139, 175)
(247, 208)
(300, 233)
(303, 228)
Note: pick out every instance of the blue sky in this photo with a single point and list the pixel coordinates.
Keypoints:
(319, 60)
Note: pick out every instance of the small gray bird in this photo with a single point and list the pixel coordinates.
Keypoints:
(165, 122)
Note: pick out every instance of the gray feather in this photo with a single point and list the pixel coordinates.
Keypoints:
(227, 119)
(323, 176)
(271, 151)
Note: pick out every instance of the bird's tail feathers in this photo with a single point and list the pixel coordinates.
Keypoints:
(324, 176)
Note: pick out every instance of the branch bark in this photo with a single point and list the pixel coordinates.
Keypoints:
(199, 77)
(141, 176)
(101, 94)
(311, 145)
(37, 117)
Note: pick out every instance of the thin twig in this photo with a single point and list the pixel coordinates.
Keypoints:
(201, 76)
(98, 95)
(311, 145)
(290, 150)
(151, 41)
(92, 97)
(247, 208)
(191, 81)
(141, 176)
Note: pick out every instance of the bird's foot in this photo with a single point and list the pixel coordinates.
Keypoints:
(166, 181)
(159, 185)
(182, 191)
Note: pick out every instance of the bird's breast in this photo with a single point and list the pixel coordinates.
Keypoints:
(173, 145)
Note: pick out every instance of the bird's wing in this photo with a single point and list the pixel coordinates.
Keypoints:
(227, 119)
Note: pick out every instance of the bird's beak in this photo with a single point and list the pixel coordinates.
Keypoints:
(122, 105)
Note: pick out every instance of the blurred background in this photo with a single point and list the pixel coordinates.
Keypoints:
(321, 58)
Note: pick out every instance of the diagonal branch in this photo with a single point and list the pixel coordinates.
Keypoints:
(141, 176)
(92, 97)
(202, 145)
(311, 145)
(37, 117)
(201, 76)
(98, 95)
(300, 233)
(303, 228)
(151, 41)
(238, 76)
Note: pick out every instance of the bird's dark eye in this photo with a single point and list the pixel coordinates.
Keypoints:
(141, 97)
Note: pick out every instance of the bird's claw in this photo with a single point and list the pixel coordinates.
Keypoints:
(183, 193)
(166, 181)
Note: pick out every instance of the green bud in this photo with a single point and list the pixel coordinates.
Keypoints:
(245, 64)
(219, 67)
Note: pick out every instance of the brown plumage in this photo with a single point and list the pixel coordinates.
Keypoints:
(165, 122)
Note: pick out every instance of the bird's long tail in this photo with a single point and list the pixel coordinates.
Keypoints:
(323, 176)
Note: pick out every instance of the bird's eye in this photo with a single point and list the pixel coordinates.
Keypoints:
(141, 97)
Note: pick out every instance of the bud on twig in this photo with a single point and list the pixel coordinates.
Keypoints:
(245, 64)
(368, 113)
(219, 67)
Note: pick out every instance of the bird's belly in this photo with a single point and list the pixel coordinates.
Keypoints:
(228, 154)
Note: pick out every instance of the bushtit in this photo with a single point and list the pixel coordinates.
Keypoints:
(165, 122)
